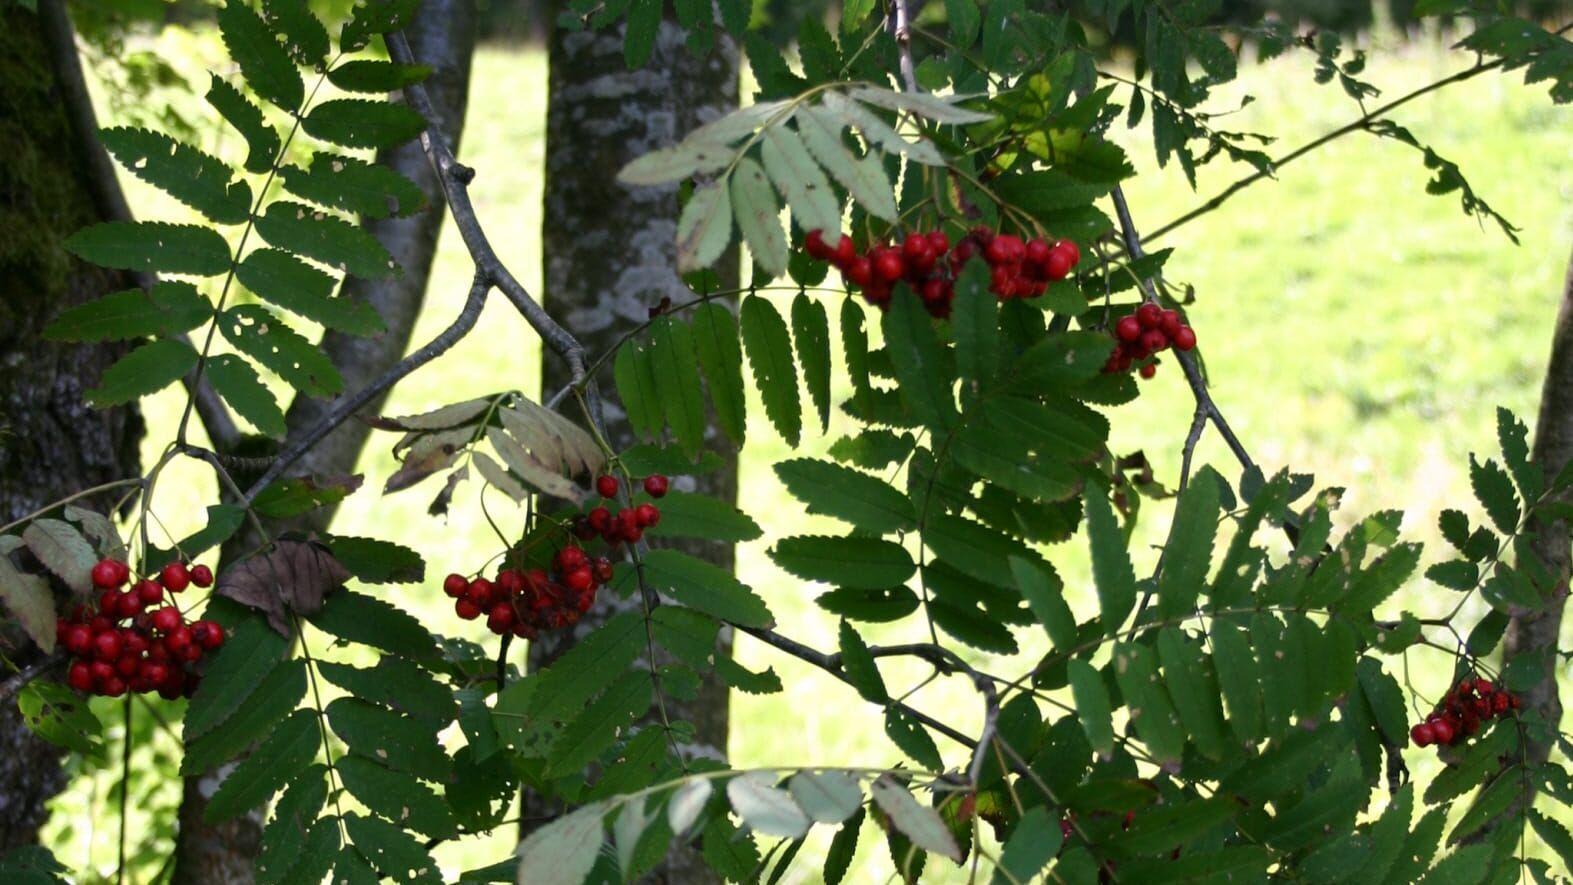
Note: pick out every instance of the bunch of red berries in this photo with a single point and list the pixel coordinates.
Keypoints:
(927, 263)
(132, 640)
(526, 602)
(1143, 334)
(627, 524)
(1466, 707)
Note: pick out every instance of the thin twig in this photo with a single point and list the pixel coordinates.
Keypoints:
(16, 681)
(900, 29)
(340, 413)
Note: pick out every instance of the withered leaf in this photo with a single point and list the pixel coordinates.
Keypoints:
(439, 504)
(292, 577)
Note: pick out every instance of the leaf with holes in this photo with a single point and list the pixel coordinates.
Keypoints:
(390, 739)
(284, 838)
(301, 229)
(858, 664)
(398, 683)
(375, 561)
(599, 725)
(391, 850)
(376, 76)
(531, 469)
(100, 530)
(287, 498)
(153, 247)
(396, 796)
(294, 576)
(371, 621)
(262, 140)
(257, 333)
(943, 110)
(758, 216)
(769, 349)
(284, 280)
(811, 332)
(361, 123)
(720, 355)
(355, 186)
(237, 382)
(375, 17)
(290, 748)
(1495, 492)
(199, 180)
(910, 737)
(305, 39)
(264, 63)
(705, 226)
(800, 180)
(877, 132)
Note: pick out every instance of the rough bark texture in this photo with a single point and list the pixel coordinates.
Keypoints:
(442, 36)
(51, 443)
(610, 255)
(1536, 633)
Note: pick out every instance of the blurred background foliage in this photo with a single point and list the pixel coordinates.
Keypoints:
(1353, 326)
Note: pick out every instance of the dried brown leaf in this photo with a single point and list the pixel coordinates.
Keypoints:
(292, 577)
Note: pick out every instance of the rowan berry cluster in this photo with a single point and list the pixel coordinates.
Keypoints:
(1145, 333)
(1468, 705)
(134, 640)
(927, 262)
(525, 602)
(627, 524)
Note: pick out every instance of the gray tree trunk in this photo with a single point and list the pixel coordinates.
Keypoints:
(610, 254)
(51, 443)
(442, 36)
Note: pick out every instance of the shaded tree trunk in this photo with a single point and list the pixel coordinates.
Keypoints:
(51, 443)
(1535, 634)
(610, 255)
(442, 36)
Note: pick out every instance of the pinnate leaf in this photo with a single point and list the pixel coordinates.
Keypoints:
(237, 382)
(290, 748)
(563, 851)
(917, 822)
(168, 307)
(769, 348)
(232, 675)
(62, 550)
(199, 180)
(396, 796)
(29, 600)
(262, 140)
(313, 233)
(263, 61)
(152, 246)
(865, 501)
(845, 562)
(369, 190)
(703, 586)
(148, 369)
(258, 333)
(705, 226)
(758, 216)
(362, 123)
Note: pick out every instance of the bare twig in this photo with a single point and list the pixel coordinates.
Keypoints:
(454, 179)
(900, 28)
(340, 413)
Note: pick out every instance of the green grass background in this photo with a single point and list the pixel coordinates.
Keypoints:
(1354, 327)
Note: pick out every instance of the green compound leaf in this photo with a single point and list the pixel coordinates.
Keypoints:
(700, 585)
(1111, 563)
(274, 698)
(390, 739)
(769, 347)
(397, 683)
(845, 562)
(148, 369)
(237, 382)
(867, 502)
(267, 67)
(915, 353)
(701, 516)
(262, 140)
(305, 39)
(372, 18)
(355, 186)
(152, 247)
(391, 850)
(859, 666)
(758, 215)
(284, 838)
(259, 334)
(1092, 705)
(361, 123)
(167, 308)
(233, 674)
(375, 76)
(1188, 554)
(329, 239)
(199, 180)
(634, 374)
(396, 796)
(290, 748)
(371, 621)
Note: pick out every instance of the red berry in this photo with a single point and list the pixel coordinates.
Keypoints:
(126, 666)
(108, 574)
(128, 605)
(814, 244)
(1149, 370)
(202, 576)
(113, 687)
(1465, 686)
(1442, 731)
(1128, 329)
(175, 577)
(1070, 250)
(1038, 251)
(602, 570)
(647, 514)
(108, 601)
(1422, 734)
(655, 485)
(500, 619)
(154, 673)
(78, 640)
(1149, 315)
(1170, 323)
(106, 645)
(998, 251)
(80, 676)
(938, 242)
(466, 609)
(149, 593)
(1483, 687)
(165, 620)
(607, 486)
(579, 580)
(178, 641)
(454, 585)
(1185, 339)
(1500, 703)
(600, 518)
(914, 247)
(1058, 265)
(631, 533)
(510, 582)
(845, 252)
(211, 637)
(132, 643)
(480, 594)
(1154, 340)
(889, 266)
(570, 558)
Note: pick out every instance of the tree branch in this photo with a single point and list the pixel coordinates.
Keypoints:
(349, 406)
(900, 25)
(19, 680)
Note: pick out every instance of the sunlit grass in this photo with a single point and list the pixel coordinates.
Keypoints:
(1353, 327)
